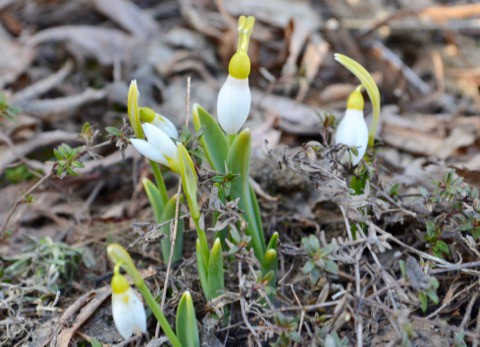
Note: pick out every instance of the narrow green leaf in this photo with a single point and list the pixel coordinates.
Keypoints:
(187, 330)
(432, 295)
(155, 199)
(114, 131)
(308, 267)
(78, 164)
(273, 243)
(57, 154)
(202, 269)
(443, 247)
(403, 267)
(189, 180)
(370, 86)
(95, 343)
(423, 301)
(166, 243)
(269, 269)
(269, 261)
(269, 276)
(213, 139)
(257, 218)
(64, 150)
(239, 163)
(216, 283)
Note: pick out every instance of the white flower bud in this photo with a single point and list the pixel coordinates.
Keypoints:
(233, 104)
(128, 312)
(352, 130)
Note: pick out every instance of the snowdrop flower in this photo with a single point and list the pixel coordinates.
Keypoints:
(127, 309)
(148, 115)
(158, 147)
(352, 130)
(233, 104)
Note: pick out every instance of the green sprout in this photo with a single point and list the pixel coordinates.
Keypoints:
(319, 258)
(287, 330)
(67, 160)
(7, 111)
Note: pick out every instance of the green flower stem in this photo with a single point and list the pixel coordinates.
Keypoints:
(157, 173)
(157, 312)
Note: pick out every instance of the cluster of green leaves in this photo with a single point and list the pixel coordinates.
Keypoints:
(429, 294)
(425, 286)
(229, 157)
(325, 337)
(7, 111)
(362, 174)
(288, 330)
(319, 258)
(224, 180)
(67, 160)
(432, 236)
(18, 174)
(88, 133)
(454, 206)
(45, 260)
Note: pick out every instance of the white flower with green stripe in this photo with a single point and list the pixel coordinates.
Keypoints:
(128, 312)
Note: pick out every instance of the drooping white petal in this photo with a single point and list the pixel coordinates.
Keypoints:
(128, 313)
(149, 151)
(353, 131)
(165, 125)
(233, 104)
(161, 141)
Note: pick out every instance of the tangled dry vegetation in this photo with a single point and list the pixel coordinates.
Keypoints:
(396, 265)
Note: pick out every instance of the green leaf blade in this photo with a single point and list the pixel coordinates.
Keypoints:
(216, 283)
(189, 180)
(202, 261)
(187, 330)
(213, 138)
(239, 163)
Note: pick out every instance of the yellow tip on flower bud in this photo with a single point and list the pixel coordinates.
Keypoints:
(355, 101)
(239, 66)
(147, 115)
(119, 284)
